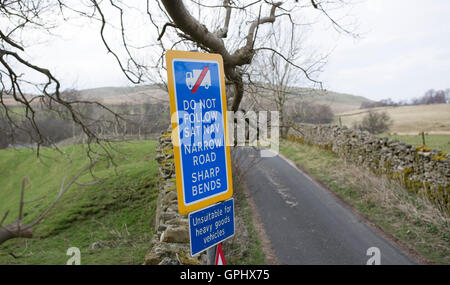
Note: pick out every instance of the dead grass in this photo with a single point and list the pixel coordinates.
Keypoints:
(408, 119)
(390, 194)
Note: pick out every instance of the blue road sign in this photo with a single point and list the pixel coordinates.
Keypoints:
(202, 159)
(211, 225)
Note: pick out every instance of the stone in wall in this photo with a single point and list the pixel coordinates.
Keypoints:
(170, 243)
(419, 169)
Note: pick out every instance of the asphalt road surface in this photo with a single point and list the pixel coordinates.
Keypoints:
(304, 222)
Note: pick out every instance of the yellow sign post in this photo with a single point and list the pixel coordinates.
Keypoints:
(200, 136)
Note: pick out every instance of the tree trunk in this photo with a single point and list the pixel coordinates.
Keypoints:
(198, 33)
(15, 230)
(238, 83)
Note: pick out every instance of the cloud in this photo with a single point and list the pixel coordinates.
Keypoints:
(404, 52)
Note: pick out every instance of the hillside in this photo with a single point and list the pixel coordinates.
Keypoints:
(117, 95)
(408, 119)
(339, 102)
(153, 94)
(131, 95)
(109, 221)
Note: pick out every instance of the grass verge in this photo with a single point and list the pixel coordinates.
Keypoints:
(411, 220)
(244, 248)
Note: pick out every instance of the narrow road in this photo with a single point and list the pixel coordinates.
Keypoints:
(304, 222)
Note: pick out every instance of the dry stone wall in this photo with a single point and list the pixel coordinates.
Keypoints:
(422, 170)
(170, 243)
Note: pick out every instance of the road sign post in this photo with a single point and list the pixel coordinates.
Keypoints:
(211, 225)
(211, 255)
(220, 257)
(199, 129)
(196, 84)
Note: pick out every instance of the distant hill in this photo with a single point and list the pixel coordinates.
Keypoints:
(339, 102)
(117, 95)
(131, 95)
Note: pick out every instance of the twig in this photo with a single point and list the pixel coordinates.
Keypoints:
(164, 29)
(4, 218)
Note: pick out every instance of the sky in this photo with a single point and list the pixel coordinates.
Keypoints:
(403, 51)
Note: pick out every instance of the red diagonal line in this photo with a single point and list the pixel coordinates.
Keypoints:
(200, 79)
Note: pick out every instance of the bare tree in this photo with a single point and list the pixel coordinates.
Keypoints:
(238, 30)
(277, 80)
(26, 84)
(374, 122)
(238, 55)
(311, 113)
(433, 97)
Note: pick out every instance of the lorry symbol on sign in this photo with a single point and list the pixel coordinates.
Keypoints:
(192, 78)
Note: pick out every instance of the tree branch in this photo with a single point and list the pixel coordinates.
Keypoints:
(222, 32)
(9, 41)
(126, 71)
(164, 29)
(291, 63)
(4, 218)
(270, 19)
(190, 26)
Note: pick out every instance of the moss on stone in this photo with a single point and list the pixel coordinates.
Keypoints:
(383, 157)
(441, 156)
(186, 259)
(423, 148)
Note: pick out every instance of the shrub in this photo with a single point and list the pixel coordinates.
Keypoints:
(374, 122)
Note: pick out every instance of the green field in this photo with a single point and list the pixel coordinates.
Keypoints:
(409, 121)
(110, 222)
(438, 142)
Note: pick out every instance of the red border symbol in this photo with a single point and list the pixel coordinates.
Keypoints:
(200, 79)
(220, 258)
